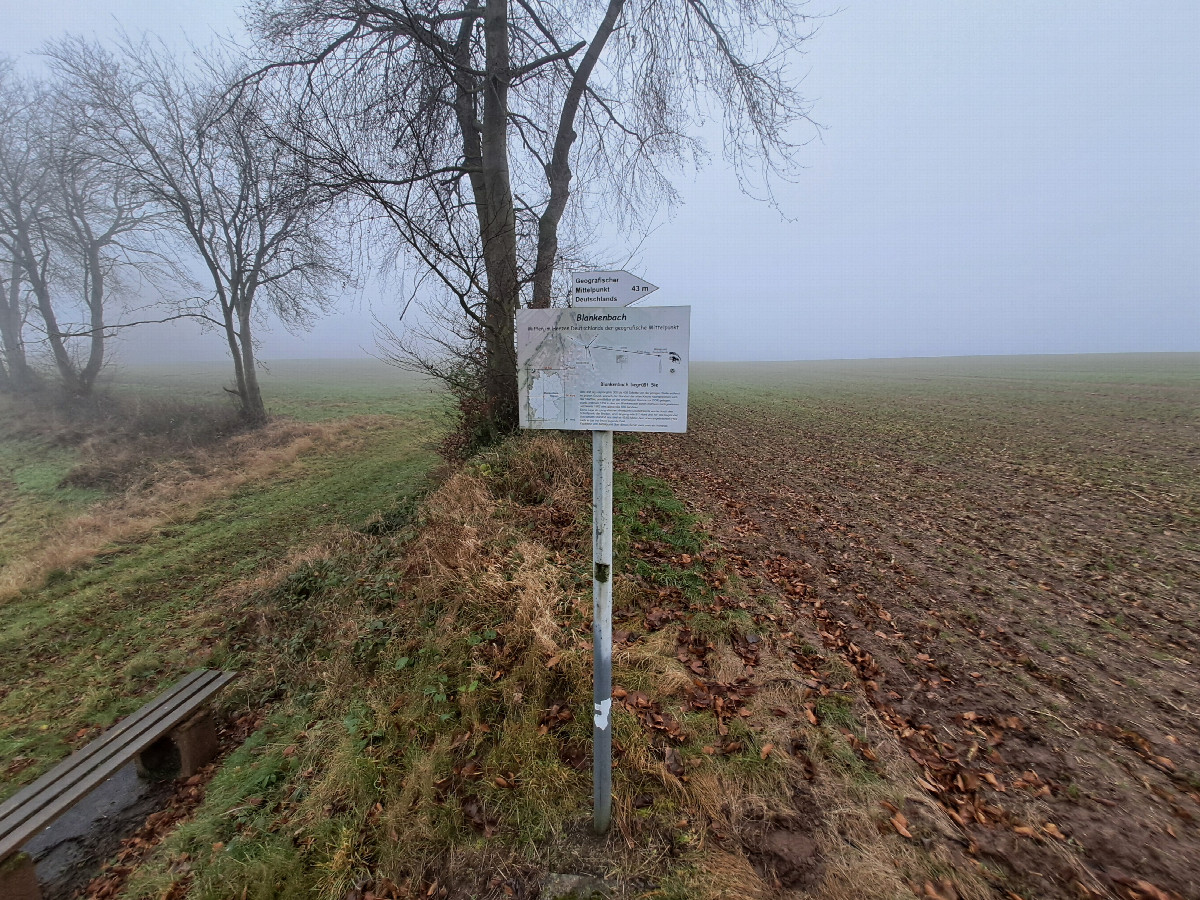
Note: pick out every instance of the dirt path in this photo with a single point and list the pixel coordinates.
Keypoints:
(1019, 606)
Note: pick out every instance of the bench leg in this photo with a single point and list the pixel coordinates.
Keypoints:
(197, 742)
(183, 752)
(18, 878)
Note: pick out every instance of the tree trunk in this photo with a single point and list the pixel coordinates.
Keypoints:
(499, 230)
(58, 344)
(558, 170)
(19, 377)
(253, 410)
(95, 302)
(235, 353)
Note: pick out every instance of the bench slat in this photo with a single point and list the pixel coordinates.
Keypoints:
(79, 760)
(75, 777)
(37, 805)
(97, 746)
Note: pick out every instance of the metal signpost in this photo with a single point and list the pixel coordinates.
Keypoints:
(602, 483)
(595, 369)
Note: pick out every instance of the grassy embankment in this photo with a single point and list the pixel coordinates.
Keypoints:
(427, 681)
(434, 738)
(111, 591)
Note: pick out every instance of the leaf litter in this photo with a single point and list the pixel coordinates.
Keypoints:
(999, 608)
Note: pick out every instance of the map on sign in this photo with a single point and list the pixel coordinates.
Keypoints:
(607, 288)
(602, 369)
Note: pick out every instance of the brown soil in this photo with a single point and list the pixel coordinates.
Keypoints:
(1016, 589)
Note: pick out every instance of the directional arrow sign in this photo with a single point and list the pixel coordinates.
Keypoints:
(608, 288)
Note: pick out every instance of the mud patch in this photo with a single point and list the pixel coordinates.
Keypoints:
(790, 858)
(68, 853)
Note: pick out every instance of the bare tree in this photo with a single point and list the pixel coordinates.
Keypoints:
(24, 200)
(65, 216)
(470, 124)
(96, 213)
(15, 374)
(244, 203)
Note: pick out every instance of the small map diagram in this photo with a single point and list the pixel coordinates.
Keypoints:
(547, 396)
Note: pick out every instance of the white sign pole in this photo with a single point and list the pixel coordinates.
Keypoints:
(602, 517)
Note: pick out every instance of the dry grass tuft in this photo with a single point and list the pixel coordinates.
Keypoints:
(539, 598)
(725, 875)
(172, 492)
(547, 472)
(451, 543)
(651, 663)
(863, 858)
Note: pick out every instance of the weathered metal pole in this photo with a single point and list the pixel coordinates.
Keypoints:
(602, 516)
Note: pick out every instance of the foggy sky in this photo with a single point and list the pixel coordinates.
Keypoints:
(992, 178)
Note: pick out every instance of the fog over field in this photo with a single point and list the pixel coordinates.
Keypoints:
(988, 179)
(891, 571)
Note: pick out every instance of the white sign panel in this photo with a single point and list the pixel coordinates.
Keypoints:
(617, 288)
(604, 369)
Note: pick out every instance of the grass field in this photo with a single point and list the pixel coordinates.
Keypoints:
(82, 643)
(883, 628)
(308, 390)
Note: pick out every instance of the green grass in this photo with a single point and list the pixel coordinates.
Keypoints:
(89, 645)
(308, 390)
(31, 500)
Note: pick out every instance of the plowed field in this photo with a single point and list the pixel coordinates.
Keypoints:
(1008, 555)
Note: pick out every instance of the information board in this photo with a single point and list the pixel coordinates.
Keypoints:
(604, 369)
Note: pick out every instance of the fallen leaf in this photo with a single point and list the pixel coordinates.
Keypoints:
(674, 762)
(1150, 892)
(943, 890)
(901, 825)
(1051, 829)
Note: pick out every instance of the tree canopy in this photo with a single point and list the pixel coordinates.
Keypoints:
(471, 126)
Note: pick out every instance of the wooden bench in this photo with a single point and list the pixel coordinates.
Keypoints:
(177, 717)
